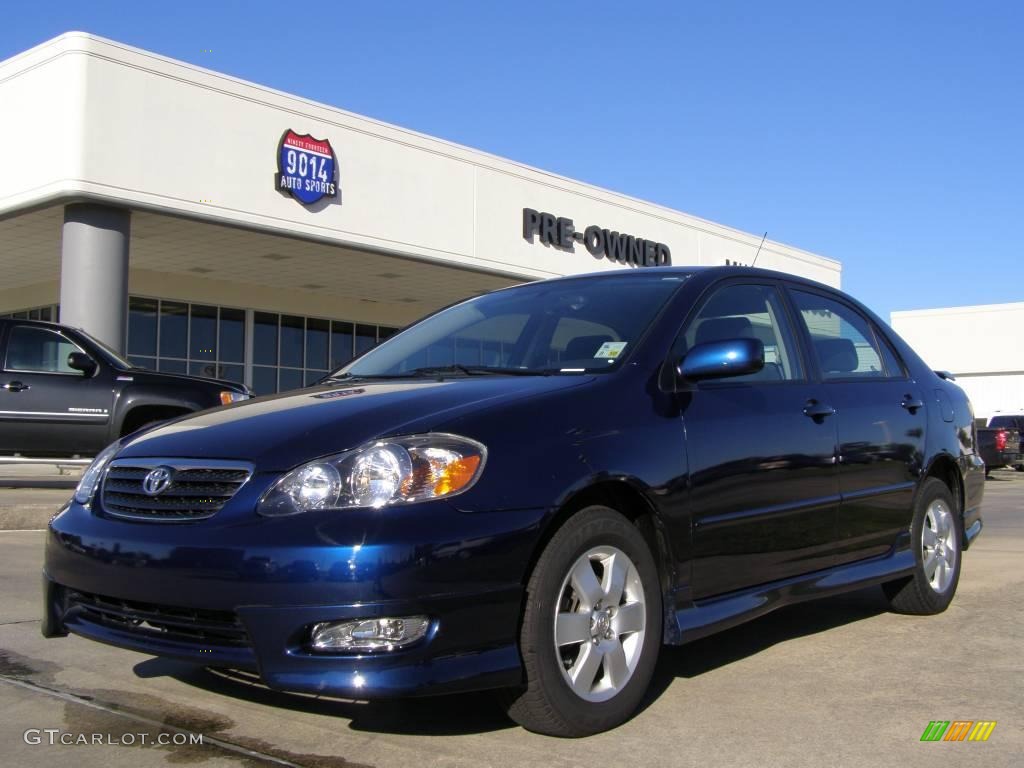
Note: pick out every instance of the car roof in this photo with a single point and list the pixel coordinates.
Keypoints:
(40, 323)
(682, 269)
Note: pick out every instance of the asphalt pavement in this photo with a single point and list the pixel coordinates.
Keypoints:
(839, 682)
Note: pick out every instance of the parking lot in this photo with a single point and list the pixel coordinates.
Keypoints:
(837, 682)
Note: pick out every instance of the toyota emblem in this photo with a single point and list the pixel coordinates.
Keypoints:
(157, 480)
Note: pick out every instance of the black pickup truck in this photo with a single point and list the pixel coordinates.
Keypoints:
(1005, 421)
(998, 446)
(63, 393)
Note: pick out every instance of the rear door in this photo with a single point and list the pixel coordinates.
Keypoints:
(880, 417)
(47, 408)
(761, 449)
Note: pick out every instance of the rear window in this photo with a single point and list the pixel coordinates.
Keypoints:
(1007, 422)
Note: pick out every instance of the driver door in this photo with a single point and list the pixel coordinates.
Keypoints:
(764, 489)
(47, 408)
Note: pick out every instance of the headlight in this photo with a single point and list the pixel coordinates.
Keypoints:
(227, 398)
(91, 477)
(393, 471)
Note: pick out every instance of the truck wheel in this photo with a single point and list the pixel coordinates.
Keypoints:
(935, 534)
(591, 627)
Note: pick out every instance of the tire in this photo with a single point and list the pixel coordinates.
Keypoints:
(614, 657)
(938, 549)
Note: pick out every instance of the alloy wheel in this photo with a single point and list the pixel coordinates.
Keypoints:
(938, 545)
(599, 623)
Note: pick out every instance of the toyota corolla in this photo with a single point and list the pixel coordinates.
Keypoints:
(533, 490)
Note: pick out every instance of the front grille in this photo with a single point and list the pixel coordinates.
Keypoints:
(197, 489)
(202, 628)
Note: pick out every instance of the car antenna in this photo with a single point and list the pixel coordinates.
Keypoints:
(759, 249)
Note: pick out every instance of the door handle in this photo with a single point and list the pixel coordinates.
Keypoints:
(15, 386)
(911, 403)
(817, 410)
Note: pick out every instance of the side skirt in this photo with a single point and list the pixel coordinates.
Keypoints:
(706, 617)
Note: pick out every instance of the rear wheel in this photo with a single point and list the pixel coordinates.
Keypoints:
(591, 627)
(937, 544)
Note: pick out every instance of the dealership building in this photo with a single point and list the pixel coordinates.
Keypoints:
(208, 225)
(980, 345)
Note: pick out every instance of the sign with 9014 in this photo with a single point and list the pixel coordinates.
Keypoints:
(307, 168)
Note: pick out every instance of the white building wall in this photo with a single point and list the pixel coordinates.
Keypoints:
(42, 107)
(143, 131)
(982, 345)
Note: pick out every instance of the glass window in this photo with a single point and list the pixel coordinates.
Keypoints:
(521, 325)
(264, 348)
(203, 333)
(290, 351)
(232, 335)
(234, 373)
(264, 380)
(893, 367)
(168, 365)
(38, 349)
(746, 312)
(142, 317)
(291, 378)
(341, 343)
(313, 376)
(143, 362)
(173, 329)
(576, 342)
(366, 338)
(317, 338)
(206, 369)
(841, 337)
(292, 340)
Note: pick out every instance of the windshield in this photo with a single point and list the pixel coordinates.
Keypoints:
(113, 357)
(556, 327)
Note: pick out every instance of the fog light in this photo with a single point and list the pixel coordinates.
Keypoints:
(368, 634)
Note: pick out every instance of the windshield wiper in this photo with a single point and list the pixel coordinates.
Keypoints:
(440, 370)
(471, 370)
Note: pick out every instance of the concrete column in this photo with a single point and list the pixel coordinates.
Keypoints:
(94, 271)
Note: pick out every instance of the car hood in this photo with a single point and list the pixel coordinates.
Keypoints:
(141, 376)
(278, 432)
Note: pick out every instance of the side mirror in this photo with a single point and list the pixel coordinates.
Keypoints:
(79, 361)
(722, 359)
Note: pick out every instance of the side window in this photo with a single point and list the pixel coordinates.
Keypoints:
(747, 311)
(893, 367)
(38, 349)
(842, 338)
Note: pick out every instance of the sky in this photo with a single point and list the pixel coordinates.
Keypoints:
(885, 135)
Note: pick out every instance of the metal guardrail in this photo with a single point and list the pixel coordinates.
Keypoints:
(54, 462)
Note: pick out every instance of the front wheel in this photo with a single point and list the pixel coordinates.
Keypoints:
(591, 627)
(937, 542)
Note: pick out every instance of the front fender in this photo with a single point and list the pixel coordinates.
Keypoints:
(150, 396)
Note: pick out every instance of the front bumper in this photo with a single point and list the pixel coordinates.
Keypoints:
(171, 590)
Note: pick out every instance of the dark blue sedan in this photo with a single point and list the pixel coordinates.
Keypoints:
(533, 490)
